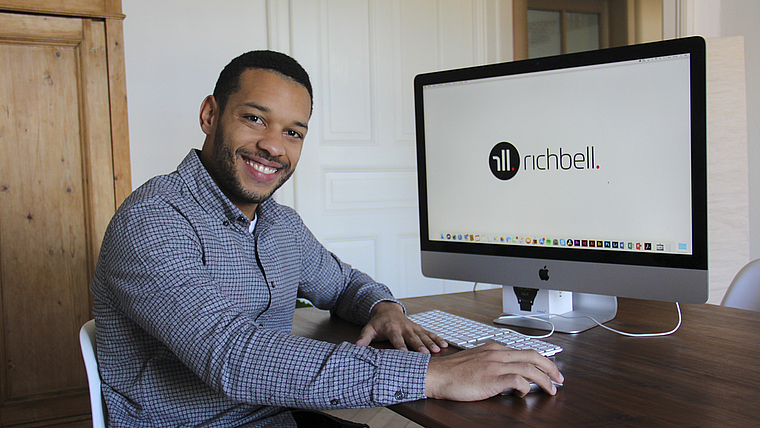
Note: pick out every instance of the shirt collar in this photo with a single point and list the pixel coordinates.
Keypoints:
(207, 193)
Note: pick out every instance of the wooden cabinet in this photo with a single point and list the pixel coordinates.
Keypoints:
(64, 168)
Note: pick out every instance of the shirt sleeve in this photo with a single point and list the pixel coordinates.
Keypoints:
(151, 270)
(330, 283)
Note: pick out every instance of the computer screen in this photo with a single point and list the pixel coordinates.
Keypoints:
(581, 173)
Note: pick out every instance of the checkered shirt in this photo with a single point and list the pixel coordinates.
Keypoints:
(194, 313)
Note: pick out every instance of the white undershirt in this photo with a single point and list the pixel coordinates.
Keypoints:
(253, 224)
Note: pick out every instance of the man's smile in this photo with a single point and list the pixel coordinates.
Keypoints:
(259, 167)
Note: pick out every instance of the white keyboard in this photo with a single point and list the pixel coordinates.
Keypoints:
(465, 333)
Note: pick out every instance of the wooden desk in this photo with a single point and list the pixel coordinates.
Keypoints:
(705, 375)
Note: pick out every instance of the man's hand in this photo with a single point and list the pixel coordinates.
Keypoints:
(487, 370)
(388, 321)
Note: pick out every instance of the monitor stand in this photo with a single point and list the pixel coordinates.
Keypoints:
(568, 312)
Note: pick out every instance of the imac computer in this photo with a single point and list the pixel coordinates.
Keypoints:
(569, 180)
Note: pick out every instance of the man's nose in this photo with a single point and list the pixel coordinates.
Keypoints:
(272, 142)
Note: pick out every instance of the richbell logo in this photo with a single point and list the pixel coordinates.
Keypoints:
(505, 161)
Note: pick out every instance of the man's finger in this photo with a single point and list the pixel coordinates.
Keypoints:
(397, 340)
(417, 343)
(429, 344)
(366, 336)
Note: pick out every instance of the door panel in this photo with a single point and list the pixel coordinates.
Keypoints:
(356, 183)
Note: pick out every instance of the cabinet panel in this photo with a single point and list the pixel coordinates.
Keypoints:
(28, 28)
(92, 8)
(42, 230)
(57, 194)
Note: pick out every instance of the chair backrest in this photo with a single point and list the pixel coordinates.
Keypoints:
(744, 291)
(87, 342)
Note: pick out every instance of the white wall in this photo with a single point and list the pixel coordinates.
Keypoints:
(174, 52)
(728, 18)
(742, 18)
(355, 186)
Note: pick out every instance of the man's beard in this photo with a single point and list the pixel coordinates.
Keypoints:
(225, 172)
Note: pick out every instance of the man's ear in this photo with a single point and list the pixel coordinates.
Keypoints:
(208, 115)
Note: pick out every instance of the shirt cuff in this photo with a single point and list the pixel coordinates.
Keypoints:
(401, 377)
(389, 299)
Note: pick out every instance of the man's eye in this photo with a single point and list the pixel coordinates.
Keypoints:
(294, 134)
(253, 118)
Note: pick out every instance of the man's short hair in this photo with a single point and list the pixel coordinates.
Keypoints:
(229, 78)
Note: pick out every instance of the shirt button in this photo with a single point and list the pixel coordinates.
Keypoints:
(334, 402)
(399, 395)
(226, 223)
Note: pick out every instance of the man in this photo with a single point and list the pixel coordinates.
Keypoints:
(199, 271)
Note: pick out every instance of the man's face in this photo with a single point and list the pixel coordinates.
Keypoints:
(254, 146)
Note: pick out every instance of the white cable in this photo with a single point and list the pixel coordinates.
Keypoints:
(680, 319)
(533, 318)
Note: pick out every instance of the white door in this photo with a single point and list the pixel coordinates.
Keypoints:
(356, 186)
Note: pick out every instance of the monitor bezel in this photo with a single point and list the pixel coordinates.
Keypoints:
(694, 46)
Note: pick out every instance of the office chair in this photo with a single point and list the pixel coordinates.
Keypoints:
(744, 291)
(87, 342)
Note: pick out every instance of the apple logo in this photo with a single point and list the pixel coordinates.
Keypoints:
(543, 274)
